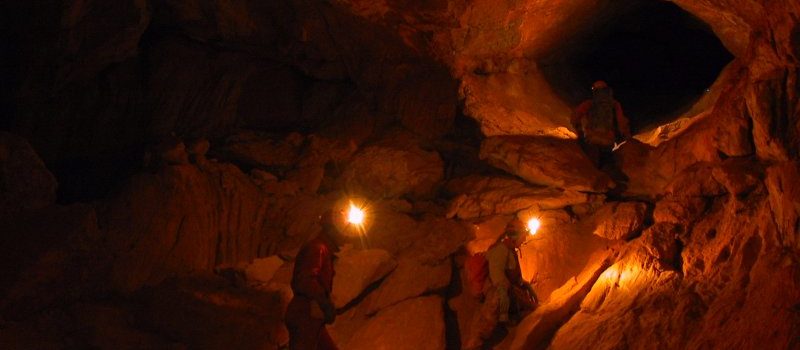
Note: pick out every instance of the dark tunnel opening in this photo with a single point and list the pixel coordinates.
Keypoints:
(658, 58)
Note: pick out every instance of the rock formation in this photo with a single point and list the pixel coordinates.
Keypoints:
(162, 162)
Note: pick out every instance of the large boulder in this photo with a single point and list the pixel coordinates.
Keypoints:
(393, 170)
(518, 102)
(25, 182)
(262, 270)
(619, 220)
(357, 269)
(545, 161)
(439, 239)
(486, 196)
(411, 279)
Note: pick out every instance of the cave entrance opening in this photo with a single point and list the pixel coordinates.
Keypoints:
(658, 58)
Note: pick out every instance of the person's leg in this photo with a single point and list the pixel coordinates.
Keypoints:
(304, 331)
(606, 158)
(592, 152)
(325, 340)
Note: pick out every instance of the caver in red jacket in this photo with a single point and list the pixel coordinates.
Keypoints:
(600, 121)
(311, 307)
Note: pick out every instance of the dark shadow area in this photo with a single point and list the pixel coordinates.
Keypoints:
(88, 179)
(658, 58)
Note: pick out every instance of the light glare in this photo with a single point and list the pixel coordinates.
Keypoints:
(355, 215)
(533, 226)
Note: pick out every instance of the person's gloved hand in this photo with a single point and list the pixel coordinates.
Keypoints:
(329, 310)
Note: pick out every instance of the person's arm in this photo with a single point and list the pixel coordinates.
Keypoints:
(578, 115)
(622, 122)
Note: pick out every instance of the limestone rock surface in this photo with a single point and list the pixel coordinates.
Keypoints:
(441, 238)
(485, 196)
(262, 270)
(413, 324)
(181, 220)
(357, 269)
(539, 326)
(392, 171)
(611, 303)
(545, 161)
(519, 102)
(411, 279)
(619, 220)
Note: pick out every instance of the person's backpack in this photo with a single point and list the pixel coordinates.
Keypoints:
(477, 269)
(600, 128)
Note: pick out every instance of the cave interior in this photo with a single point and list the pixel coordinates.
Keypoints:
(163, 164)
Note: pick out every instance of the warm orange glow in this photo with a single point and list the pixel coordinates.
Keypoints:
(533, 226)
(355, 215)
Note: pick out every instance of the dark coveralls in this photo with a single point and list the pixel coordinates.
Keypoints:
(312, 282)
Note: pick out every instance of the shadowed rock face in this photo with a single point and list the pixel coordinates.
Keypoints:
(204, 139)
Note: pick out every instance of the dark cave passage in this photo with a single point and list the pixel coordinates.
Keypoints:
(658, 59)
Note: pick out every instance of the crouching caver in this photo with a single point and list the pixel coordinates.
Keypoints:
(311, 307)
(504, 278)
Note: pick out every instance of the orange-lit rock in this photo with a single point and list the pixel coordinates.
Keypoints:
(355, 270)
(545, 161)
(558, 252)
(619, 220)
(411, 279)
(262, 270)
(413, 324)
(486, 196)
(611, 303)
(392, 171)
(440, 239)
(540, 326)
(515, 103)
